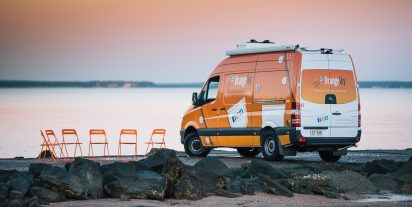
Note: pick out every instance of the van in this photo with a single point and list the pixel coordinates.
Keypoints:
(278, 100)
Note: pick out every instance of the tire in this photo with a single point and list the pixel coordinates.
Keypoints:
(194, 147)
(270, 146)
(248, 151)
(328, 156)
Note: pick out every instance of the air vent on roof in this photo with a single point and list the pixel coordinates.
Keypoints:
(254, 46)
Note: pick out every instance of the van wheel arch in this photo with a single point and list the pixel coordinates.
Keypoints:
(190, 129)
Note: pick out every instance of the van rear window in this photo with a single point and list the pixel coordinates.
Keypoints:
(317, 83)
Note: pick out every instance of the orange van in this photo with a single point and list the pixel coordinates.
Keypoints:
(278, 100)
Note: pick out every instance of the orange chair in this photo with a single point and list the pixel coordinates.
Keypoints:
(133, 134)
(66, 134)
(48, 146)
(50, 133)
(98, 132)
(157, 134)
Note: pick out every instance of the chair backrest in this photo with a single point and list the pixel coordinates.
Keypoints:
(131, 133)
(50, 133)
(46, 141)
(67, 133)
(158, 133)
(97, 133)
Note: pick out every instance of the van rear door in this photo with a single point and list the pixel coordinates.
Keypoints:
(315, 112)
(344, 113)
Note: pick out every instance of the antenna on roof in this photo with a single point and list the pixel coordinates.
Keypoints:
(264, 41)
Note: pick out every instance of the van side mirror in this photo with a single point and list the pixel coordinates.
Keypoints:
(195, 100)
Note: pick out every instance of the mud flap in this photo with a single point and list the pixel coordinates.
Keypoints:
(285, 151)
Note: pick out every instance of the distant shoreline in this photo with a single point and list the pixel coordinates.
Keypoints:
(149, 84)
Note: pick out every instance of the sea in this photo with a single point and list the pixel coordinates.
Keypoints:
(386, 117)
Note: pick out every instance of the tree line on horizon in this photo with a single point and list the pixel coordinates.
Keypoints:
(149, 84)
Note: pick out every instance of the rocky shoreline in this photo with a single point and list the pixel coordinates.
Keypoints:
(163, 175)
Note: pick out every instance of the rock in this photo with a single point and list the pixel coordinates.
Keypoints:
(4, 203)
(46, 194)
(16, 203)
(260, 166)
(124, 197)
(234, 186)
(45, 153)
(67, 166)
(32, 202)
(114, 170)
(19, 185)
(251, 186)
(404, 174)
(351, 182)
(4, 190)
(328, 194)
(36, 168)
(91, 176)
(384, 182)
(159, 159)
(274, 187)
(214, 166)
(138, 165)
(195, 184)
(382, 166)
(6, 175)
(237, 173)
(145, 185)
(227, 194)
(58, 179)
(172, 171)
(310, 184)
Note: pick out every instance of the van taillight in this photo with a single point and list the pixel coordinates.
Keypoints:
(359, 116)
(295, 115)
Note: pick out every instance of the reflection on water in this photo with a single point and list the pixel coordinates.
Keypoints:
(386, 118)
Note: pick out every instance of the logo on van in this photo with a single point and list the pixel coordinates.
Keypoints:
(240, 80)
(324, 118)
(338, 81)
(237, 114)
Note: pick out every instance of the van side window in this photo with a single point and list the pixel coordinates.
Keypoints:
(210, 90)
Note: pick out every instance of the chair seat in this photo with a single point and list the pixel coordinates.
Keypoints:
(49, 145)
(72, 143)
(98, 142)
(128, 143)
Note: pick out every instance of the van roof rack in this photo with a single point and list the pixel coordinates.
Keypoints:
(254, 46)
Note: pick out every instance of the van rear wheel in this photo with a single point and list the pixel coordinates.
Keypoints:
(328, 156)
(193, 146)
(270, 146)
(248, 151)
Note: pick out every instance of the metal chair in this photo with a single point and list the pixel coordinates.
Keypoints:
(105, 143)
(50, 133)
(157, 134)
(68, 134)
(48, 146)
(132, 134)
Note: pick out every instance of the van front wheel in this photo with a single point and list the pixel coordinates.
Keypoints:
(248, 151)
(193, 146)
(270, 146)
(328, 156)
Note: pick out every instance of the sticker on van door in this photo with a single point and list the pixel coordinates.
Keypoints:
(237, 114)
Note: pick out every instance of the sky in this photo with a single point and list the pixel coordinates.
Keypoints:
(182, 41)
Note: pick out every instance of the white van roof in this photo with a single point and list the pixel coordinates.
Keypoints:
(253, 47)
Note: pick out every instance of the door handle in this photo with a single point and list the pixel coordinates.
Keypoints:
(336, 113)
(223, 108)
(213, 109)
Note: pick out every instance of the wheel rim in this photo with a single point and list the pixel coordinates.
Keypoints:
(196, 146)
(270, 146)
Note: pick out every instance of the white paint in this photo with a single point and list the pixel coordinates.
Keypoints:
(201, 120)
(273, 115)
(280, 60)
(237, 114)
(284, 80)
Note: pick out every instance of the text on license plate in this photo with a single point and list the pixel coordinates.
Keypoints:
(315, 133)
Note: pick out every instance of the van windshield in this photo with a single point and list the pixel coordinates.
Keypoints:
(317, 83)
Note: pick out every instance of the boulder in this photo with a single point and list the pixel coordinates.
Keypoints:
(19, 185)
(234, 186)
(4, 191)
(16, 203)
(258, 166)
(310, 184)
(36, 168)
(384, 182)
(172, 171)
(404, 174)
(251, 186)
(144, 185)
(274, 187)
(114, 170)
(195, 184)
(6, 175)
(350, 182)
(45, 153)
(58, 179)
(91, 176)
(214, 166)
(46, 194)
(227, 194)
(156, 161)
(382, 166)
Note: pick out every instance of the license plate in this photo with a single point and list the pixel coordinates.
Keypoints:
(317, 133)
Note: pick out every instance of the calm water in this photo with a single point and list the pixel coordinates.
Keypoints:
(386, 118)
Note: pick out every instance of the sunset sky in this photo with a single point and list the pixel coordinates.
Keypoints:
(182, 41)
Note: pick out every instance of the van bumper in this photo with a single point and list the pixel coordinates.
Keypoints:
(316, 143)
